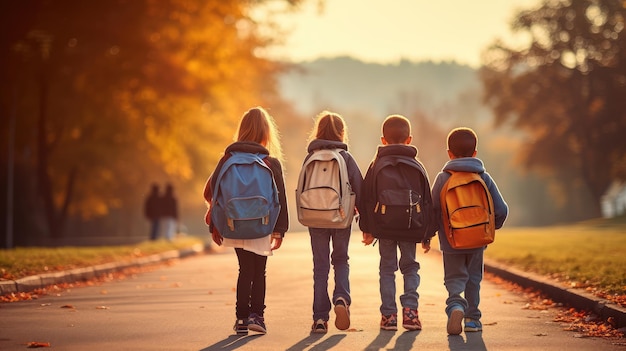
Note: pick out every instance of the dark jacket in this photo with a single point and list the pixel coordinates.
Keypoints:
(169, 204)
(282, 224)
(354, 173)
(152, 206)
(368, 197)
(466, 164)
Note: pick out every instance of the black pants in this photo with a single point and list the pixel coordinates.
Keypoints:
(250, 284)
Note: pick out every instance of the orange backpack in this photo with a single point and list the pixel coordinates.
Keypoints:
(467, 210)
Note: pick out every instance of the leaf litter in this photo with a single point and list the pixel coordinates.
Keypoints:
(584, 323)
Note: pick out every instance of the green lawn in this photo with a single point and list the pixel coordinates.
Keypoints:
(591, 253)
(21, 262)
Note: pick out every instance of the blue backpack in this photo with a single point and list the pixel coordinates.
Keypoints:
(245, 199)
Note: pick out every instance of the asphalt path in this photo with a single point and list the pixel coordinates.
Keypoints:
(189, 305)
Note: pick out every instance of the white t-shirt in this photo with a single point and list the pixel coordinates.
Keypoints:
(260, 246)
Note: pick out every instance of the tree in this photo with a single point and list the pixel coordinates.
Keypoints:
(566, 90)
(111, 95)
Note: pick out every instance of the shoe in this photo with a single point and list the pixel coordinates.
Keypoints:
(257, 323)
(410, 319)
(319, 327)
(454, 322)
(241, 327)
(389, 322)
(342, 314)
(473, 325)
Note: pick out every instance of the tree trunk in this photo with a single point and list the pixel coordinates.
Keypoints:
(43, 177)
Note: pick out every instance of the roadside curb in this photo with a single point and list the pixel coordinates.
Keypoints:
(576, 298)
(28, 284)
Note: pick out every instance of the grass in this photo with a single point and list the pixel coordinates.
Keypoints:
(24, 261)
(586, 254)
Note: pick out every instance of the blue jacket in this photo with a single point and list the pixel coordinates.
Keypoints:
(466, 164)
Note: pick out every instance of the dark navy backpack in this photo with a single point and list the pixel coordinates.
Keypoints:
(245, 199)
(403, 207)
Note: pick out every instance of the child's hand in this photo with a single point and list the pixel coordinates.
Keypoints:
(277, 240)
(367, 238)
(217, 238)
(426, 246)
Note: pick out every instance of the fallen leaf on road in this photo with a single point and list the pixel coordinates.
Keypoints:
(102, 308)
(36, 344)
(541, 334)
(68, 306)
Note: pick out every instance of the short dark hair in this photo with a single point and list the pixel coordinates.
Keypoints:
(462, 142)
(396, 129)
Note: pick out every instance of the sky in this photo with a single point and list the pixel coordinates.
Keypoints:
(386, 31)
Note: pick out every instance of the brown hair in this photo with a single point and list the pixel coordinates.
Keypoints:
(257, 125)
(396, 129)
(462, 142)
(329, 126)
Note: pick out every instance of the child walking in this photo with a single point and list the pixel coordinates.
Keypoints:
(257, 134)
(396, 147)
(463, 268)
(330, 132)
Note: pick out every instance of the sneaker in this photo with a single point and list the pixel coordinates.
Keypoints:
(410, 319)
(454, 322)
(319, 327)
(257, 323)
(473, 325)
(389, 322)
(342, 314)
(241, 327)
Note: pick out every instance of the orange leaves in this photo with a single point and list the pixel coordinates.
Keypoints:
(583, 323)
(586, 324)
(22, 296)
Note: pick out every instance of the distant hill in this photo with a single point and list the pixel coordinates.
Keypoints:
(347, 84)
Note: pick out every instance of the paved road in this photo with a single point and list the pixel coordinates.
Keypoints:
(189, 305)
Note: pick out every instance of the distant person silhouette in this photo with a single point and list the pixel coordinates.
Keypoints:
(152, 210)
(169, 212)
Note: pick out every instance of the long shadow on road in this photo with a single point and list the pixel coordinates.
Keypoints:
(473, 341)
(327, 344)
(232, 342)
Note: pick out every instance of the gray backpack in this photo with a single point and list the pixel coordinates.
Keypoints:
(324, 196)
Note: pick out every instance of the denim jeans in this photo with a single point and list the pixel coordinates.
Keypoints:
(250, 284)
(462, 275)
(170, 228)
(321, 240)
(154, 229)
(409, 268)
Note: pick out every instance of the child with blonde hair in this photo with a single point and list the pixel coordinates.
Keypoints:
(257, 134)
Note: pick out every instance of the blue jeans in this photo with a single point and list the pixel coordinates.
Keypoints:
(409, 268)
(462, 275)
(322, 259)
(154, 229)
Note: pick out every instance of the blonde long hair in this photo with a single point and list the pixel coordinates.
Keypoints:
(329, 126)
(258, 125)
